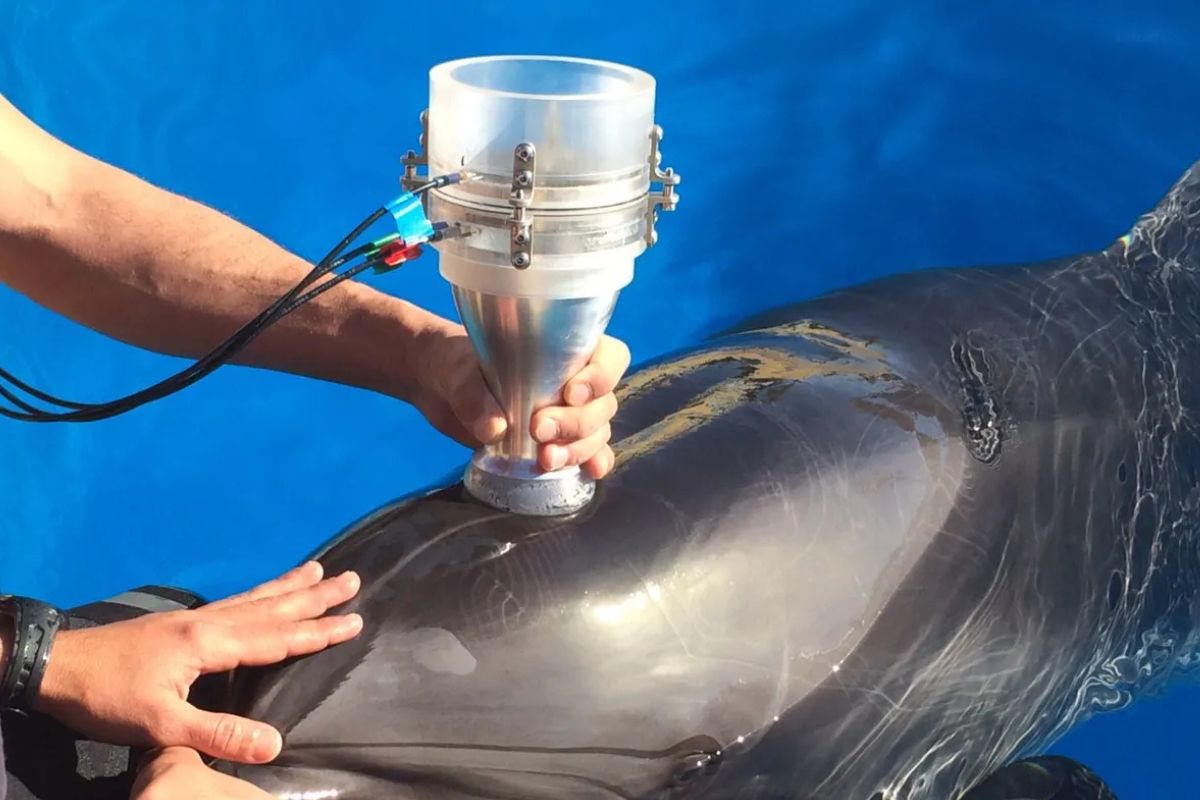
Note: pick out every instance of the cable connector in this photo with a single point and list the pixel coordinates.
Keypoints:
(462, 176)
(392, 255)
(411, 222)
(381, 242)
(448, 230)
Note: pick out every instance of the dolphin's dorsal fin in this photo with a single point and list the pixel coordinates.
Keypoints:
(1169, 233)
(1042, 778)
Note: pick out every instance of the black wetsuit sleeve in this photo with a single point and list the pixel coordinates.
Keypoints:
(3, 771)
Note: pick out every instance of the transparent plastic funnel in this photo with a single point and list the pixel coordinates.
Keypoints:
(589, 120)
(589, 123)
(556, 214)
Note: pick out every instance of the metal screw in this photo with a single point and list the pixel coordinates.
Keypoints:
(520, 260)
(521, 238)
(525, 178)
(524, 152)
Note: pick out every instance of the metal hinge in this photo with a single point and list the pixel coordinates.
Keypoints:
(664, 198)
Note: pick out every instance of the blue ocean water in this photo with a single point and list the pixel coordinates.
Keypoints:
(821, 144)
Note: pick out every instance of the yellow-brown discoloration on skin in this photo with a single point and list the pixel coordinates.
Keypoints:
(864, 349)
(762, 366)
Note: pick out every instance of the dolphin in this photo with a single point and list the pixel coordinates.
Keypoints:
(886, 544)
(874, 546)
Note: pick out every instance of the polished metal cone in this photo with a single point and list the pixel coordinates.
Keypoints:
(529, 348)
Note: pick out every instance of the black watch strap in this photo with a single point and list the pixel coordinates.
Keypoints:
(34, 626)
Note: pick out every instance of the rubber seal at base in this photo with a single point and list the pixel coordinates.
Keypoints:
(550, 495)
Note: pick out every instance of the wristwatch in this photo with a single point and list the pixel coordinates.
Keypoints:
(34, 625)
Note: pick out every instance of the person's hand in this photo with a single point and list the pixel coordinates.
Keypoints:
(177, 773)
(455, 398)
(127, 683)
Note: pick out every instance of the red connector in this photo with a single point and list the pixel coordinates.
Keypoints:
(396, 253)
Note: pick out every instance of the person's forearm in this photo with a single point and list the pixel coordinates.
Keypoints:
(159, 271)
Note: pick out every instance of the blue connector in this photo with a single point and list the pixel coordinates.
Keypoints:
(411, 223)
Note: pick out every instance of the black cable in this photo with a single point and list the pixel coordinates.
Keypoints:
(325, 287)
(32, 392)
(17, 401)
(205, 365)
(100, 412)
(86, 412)
(202, 367)
(13, 380)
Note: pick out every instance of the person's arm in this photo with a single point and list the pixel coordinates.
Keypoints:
(151, 268)
(157, 270)
(128, 682)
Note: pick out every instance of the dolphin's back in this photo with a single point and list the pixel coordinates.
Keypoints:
(870, 546)
(727, 567)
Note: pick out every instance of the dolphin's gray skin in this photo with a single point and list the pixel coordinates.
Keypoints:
(870, 547)
(1044, 778)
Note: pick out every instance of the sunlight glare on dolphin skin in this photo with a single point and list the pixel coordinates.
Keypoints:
(616, 612)
(317, 794)
(622, 610)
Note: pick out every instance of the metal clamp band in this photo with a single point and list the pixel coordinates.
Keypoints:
(666, 198)
(520, 195)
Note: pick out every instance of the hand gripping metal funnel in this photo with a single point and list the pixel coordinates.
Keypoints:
(564, 152)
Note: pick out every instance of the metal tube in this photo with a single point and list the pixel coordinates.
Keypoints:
(529, 348)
